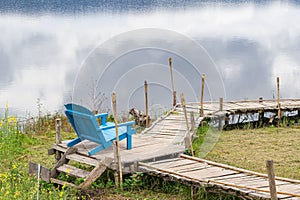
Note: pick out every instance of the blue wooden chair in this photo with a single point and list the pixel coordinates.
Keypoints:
(86, 126)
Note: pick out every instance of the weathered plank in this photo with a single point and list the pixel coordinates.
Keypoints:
(73, 171)
(60, 182)
(95, 173)
(44, 172)
(82, 159)
(63, 160)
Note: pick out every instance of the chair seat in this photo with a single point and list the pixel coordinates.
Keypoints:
(110, 134)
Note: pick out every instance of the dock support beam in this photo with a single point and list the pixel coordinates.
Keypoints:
(118, 154)
(278, 99)
(202, 96)
(146, 102)
(188, 138)
(220, 115)
(58, 137)
(172, 81)
(192, 118)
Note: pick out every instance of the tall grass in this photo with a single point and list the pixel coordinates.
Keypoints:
(15, 182)
(17, 148)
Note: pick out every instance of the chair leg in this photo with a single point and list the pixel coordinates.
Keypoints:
(129, 141)
(96, 150)
(73, 142)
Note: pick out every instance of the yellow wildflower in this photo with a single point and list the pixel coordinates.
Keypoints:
(14, 166)
(12, 119)
(6, 193)
(64, 185)
(61, 194)
(17, 194)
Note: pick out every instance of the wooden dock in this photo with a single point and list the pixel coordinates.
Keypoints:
(159, 150)
(216, 177)
(163, 139)
(246, 106)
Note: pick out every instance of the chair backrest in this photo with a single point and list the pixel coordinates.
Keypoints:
(84, 123)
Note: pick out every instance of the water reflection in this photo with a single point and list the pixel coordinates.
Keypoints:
(251, 44)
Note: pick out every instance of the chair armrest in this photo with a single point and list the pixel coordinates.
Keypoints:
(103, 117)
(122, 124)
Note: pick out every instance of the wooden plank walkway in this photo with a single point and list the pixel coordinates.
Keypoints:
(219, 177)
(158, 150)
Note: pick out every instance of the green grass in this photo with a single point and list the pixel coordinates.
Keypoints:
(247, 149)
(251, 148)
(17, 149)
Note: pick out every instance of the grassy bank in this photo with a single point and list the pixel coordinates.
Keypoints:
(251, 148)
(242, 148)
(17, 149)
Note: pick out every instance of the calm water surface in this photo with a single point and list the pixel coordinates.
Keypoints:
(44, 46)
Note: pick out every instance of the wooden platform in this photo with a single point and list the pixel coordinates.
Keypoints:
(163, 140)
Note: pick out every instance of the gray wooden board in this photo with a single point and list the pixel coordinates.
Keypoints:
(209, 172)
(165, 161)
(232, 177)
(290, 188)
(189, 166)
(83, 159)
(44, 172)
(60, 182)
(73, 171)
(170, 165)
(267, 195)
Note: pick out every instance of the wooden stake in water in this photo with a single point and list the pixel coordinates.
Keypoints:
(187, 122)
(114, 102)
(146, 99)
(172, 80)
(278, 99)
(202, 96)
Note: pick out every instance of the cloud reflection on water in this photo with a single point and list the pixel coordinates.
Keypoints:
(250, 44)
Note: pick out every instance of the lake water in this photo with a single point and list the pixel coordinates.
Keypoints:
(62, 51)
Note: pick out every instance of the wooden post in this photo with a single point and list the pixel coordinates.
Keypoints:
(58, 130)
(172, 80)
(192, 118)
(114, 102)
(193, 194)
(202, 96)
(278, 99)
(220, 115)
(174, 98)
(115, 165)
(271, 176)
(187, 123)
(58, 138)
(146, 99)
